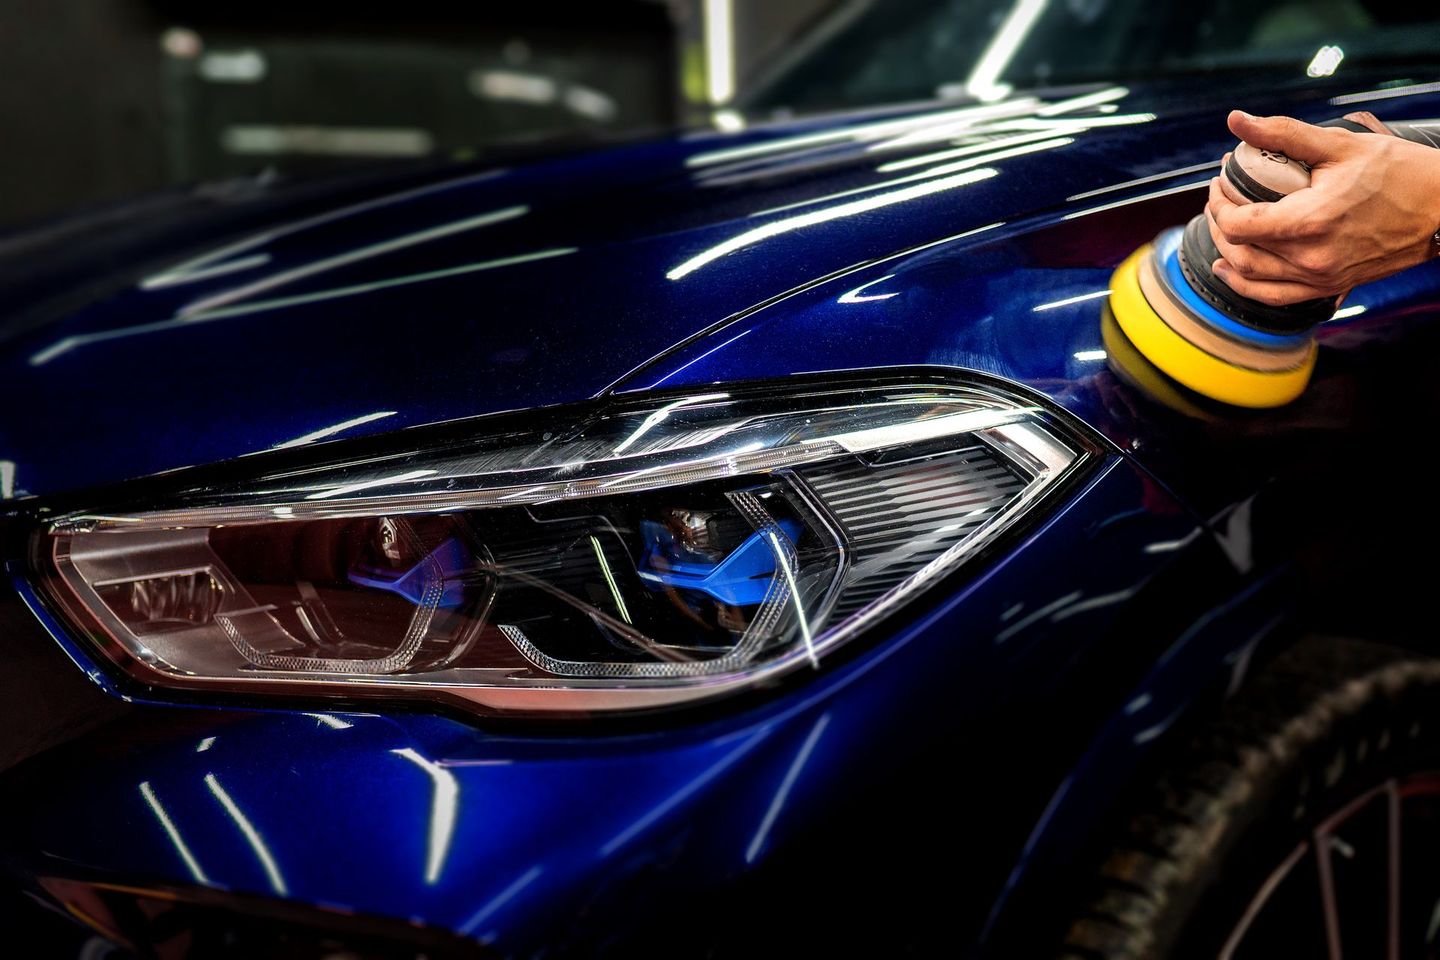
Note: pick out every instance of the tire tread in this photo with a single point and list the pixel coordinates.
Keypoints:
(1284, 720)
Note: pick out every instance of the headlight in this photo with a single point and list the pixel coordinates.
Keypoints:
(616, 556)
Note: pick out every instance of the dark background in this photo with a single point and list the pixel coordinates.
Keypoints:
(104, 99)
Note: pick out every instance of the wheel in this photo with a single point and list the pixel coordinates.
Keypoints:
(1301, 820)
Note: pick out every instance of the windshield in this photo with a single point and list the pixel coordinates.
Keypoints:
(885, 51)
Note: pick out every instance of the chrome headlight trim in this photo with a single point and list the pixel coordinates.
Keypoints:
(785, 435)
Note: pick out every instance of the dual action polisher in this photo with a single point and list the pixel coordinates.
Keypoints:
(1198, 331)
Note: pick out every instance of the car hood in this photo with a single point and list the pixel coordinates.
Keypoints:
(502, 289)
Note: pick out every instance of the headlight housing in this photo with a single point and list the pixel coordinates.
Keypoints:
(615, 556)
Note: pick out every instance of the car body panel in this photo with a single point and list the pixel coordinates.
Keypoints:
(442, 301)
(985, 730)
(616, 825)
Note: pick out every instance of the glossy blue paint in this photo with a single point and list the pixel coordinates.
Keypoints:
(1035, 683)
(217, 347)
(1219, 647)
(498, 833)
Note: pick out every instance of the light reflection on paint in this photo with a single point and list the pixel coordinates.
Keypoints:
(443, 804)
(988, 118)
(860, 133)
(1094, 603)
(757, 843)
(194, 274)
(191, 864)
(349, 257)
(969, 150)
(67, 344)
(688, 790)
(220, 261)
(1170, 546)
(1141, 181)
(1080, 124)
(1140, 199)
(1100, 98)
(252, 836)
(333, 429)
(334, 293)
(923, 175)
(903, 253)
(1036, 615)
(333, 722)
(469, 927)
(856, 295)
(1018, 115)
(1081, 298)
(753, 236)
(690, 363)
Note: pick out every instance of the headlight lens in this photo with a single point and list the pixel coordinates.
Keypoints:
(621, 557)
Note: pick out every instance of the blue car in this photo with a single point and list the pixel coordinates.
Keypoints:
(740, 543)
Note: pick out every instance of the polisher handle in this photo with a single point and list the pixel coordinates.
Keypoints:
(1267, 175)
(1427, 133)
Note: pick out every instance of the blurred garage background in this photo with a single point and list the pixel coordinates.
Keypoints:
(107, 99)
(104, 99)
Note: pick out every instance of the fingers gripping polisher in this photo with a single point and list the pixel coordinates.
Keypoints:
(1190, 325)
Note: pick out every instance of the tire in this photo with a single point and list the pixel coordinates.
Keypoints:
(1322, 774)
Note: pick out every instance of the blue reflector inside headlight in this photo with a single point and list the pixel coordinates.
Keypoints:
(449, 561)
(740, 579)
(617, 556)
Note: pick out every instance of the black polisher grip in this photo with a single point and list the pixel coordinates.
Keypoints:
(1345, 124)
(1424, 133)
(1198, 252)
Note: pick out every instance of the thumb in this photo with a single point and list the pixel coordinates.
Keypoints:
(1300, 141)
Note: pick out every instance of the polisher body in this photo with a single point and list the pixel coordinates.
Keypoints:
(1175, 332)
(1194, 328)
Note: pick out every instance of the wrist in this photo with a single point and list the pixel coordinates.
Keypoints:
(1423, 178)
(1433, 184)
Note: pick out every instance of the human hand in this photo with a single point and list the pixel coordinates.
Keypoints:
(1371, 210)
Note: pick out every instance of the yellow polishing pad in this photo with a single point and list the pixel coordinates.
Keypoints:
(1128, 364)
(1179, 358)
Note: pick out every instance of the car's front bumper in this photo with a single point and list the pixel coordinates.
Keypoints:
(820, 807)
